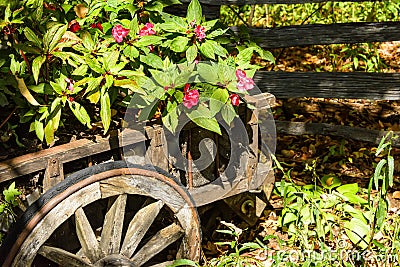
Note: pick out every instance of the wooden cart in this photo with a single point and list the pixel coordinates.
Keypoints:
(119, 213)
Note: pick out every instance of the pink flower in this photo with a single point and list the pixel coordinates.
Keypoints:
(119, 33)
(75, 27)
(147, 29)
(240, 74)
(70, 84)
(151, 48)
(186, 88)
(191, 98)
(244, 83)
(200, 32)
(192, 23)
(234, 99)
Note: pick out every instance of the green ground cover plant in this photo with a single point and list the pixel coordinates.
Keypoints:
(8, 201)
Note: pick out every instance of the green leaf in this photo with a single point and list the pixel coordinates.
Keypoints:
(131, 52)
(81, 70)
(377, 173)
(381, 213)
(25, 92)
(41, 88)
(355, 199)
(11, 193)
(245, 54)
(3, 100)
(390, 169)
(49, 132)
(228, 113)
(207, 49)
(31, 36)
(109, 81)
(330, 181)
(39, 129)
(179, 44)
(210, 124)
(105, 111)
(358, 232)
(183, 262)
(218, 49)
(161, 77)
(216, 33)
(348, 189)
(288, 218)
(53, 36)
(110, 59)
(194, 12)
(191, 53)
(356, 213)
(94, 65)
(129, 84)
(36, 65)
(170, 120)
(203, 118)
(153, 61)
(80, 113)
(87, 40)
(57, 88)
(218, 99)
(208, 73)
(149, 40)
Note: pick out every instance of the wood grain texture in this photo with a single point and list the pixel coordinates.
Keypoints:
(62, 257)
(348, 132)
(112, 228)
(87, 237)
(78, 149)
(157, 243)
(357, 85)
(138, 227)
(320, 34)
(253, 2)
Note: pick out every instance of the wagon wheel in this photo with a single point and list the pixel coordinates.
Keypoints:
(145, 215)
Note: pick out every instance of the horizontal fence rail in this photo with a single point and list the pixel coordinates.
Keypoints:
(323, 34)
(357, 85)
(254, 2)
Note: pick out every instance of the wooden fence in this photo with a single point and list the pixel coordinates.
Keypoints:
(356, 85)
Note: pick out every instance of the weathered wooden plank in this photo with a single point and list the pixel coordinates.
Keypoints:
(62, 257)
(78, 149)
(348, 132)
(157, 151)
(112, 228)
(357, 85)
(157, 243)
(54, 173)
(87, 237)
(138, 227)
(253, 2)
(322, 34)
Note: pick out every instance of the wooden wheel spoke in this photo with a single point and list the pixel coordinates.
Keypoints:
(157, 243)
(112, 228)
(139, 226)
(87, 238)
(62, 257)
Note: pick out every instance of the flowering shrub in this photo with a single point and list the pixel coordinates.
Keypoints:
(91, 56)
